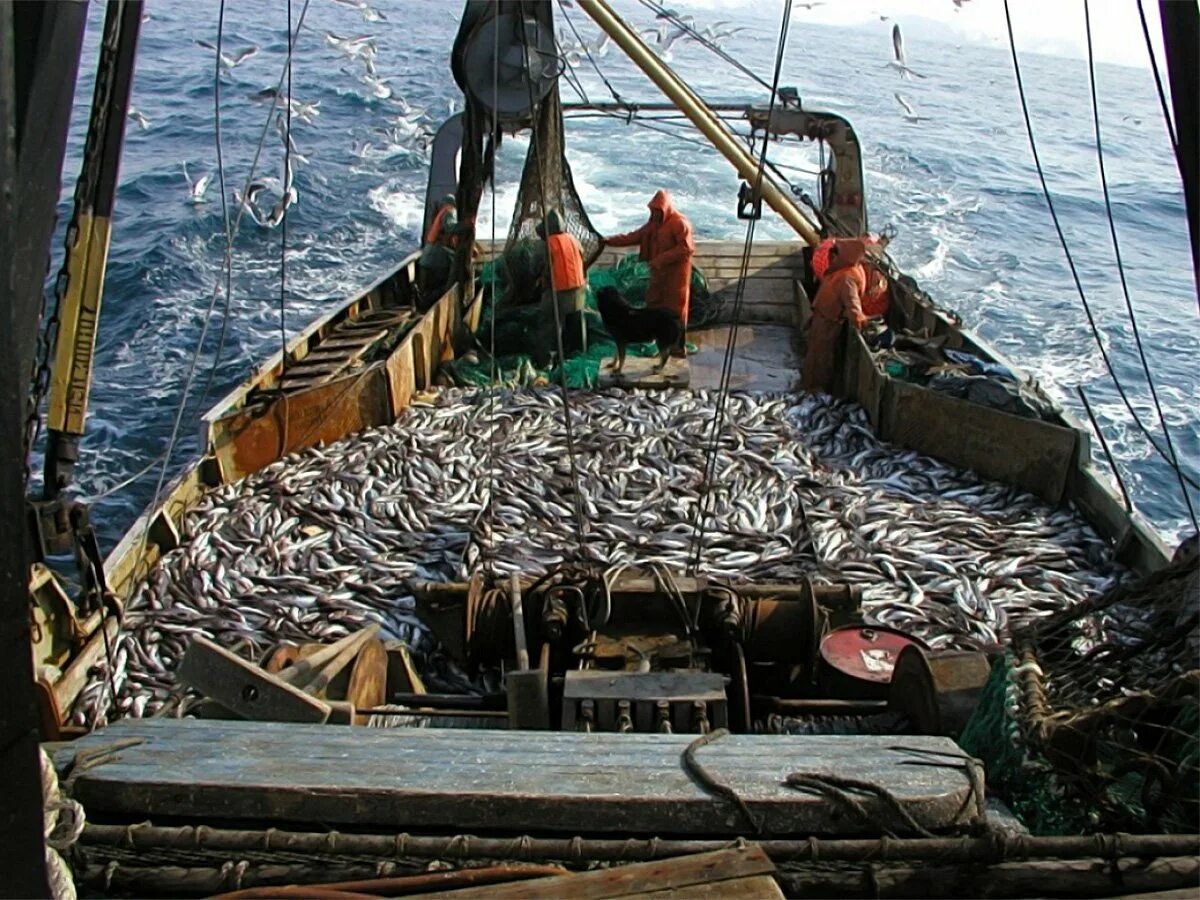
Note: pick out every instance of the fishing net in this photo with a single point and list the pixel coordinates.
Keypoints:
(547, 174)
(1092, 720)
(516, 323)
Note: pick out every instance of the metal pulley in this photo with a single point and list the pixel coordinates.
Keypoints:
(509, 62)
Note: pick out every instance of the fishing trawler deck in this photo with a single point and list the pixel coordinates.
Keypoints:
(687, 606)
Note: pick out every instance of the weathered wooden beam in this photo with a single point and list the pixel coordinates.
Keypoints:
(504, 780)
(244, 688)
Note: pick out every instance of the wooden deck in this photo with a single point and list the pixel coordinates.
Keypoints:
(506, 781)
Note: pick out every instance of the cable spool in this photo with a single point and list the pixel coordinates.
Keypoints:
(524, 74)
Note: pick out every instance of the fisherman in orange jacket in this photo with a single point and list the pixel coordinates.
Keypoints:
(436, 261)
(565, 283)
(666, 243)
(838, 299)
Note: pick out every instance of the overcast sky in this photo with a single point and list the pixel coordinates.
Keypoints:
(1046, 26)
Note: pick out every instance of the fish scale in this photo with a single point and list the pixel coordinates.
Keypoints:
(321, 543)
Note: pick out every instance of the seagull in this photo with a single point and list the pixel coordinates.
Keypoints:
(369, 13)
(353, 47)
(1133, 119)
(305, 112)
(249, 203)
(379, 86)
(810, 6)
(910, 114)
(289, 142)
(900, 63)
(231, 62)
(196, 188)
(286, 200)
(138, 116)
(288, 196)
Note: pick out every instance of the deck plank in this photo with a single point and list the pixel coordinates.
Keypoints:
(543, 781)
(754, 887)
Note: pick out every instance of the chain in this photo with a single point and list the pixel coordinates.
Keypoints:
(85, 189)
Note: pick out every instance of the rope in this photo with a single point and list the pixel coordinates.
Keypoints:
(1070, 259)
(287, 179)
(1162, 94)
(702, 507)
(562, 357)
(836, 789)
(230, 237)
(492, 364)
(227, 260)
(64, 821)
(710, 784)
(232, 233)
(1112, 227)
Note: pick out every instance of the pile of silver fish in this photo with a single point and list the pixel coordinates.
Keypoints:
(326, 541)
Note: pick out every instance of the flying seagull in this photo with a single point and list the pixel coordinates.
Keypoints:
(196, 188)
(138, 116)
(910, 114)
(899, 63)
(230, 62)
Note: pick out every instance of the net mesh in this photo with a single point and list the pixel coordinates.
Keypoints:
(516, 324)
(547, 174)
(1092, 720)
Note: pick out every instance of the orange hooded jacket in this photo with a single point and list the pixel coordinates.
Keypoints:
(668, 246)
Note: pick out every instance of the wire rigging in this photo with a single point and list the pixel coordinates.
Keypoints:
(494, 300)
(702, 507)
(1112, 227)
(588, 52)
(661, 12)
(1070, 259)
(283, 230)
(1162, 94)
(576, 493)
(227, 259)
(231, 235)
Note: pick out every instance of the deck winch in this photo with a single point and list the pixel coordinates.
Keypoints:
(631, 652)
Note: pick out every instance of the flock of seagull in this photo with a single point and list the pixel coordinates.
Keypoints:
(266, 200)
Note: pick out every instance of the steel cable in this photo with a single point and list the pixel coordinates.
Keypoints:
(661, 12)
(703, 504)
(562, 358)
(1112, 227)
(230, 235)
(1071, 261)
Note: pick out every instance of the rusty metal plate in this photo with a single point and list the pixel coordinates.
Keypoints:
(865, 653)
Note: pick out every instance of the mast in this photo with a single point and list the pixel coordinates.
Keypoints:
(691, 105)
(39, 59)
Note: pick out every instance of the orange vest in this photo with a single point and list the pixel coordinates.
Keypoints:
(435, 227)
(566, 262)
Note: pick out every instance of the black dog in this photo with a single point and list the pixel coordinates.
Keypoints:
(629, 325)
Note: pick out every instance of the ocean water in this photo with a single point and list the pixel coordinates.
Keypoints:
(960, 187)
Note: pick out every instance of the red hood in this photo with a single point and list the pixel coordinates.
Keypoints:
(662, 201)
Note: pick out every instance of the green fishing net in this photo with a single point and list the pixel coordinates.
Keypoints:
(511, 316)
(1116, 790)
